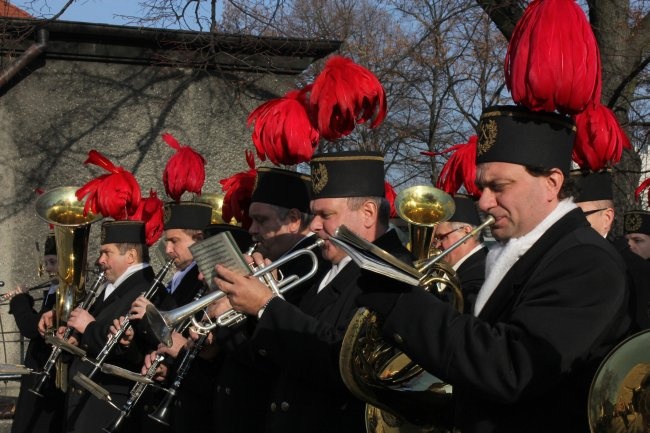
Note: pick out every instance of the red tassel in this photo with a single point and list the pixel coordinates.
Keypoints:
(283, 130)
(185, 170)
(600, 140)
(114, 195)
(238, 190)
(345, 94)
(639, 190)
(460, 169)
(553, 62)
(390, 196)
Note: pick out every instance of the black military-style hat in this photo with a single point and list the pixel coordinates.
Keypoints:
(123, 232)
(636, 221)
(49, 248)
(241, 236)
(519, 136)
(592, 186)
(347, 174)
(288, 189)
(466, 210)
(187, 215)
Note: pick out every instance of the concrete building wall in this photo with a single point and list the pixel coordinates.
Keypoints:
(62, 106)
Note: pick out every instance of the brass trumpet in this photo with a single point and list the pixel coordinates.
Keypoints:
(162, 323)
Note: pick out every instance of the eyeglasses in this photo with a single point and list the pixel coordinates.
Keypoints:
(593, 211)
(440, 238)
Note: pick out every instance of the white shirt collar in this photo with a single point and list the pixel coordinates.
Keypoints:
(466, 256)
(110, 287)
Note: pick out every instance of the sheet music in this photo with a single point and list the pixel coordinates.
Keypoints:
(222, 249)
(372, 258)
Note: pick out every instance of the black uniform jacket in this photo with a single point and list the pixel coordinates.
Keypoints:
(194, 401)
(304, 343)
(638, 278)
(472, 274)
(34, 414)
(85, 413)
(244, 380)
(526, 363)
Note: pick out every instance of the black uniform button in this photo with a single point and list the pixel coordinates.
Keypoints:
(284, 406)
(262, 352)
(398, 338)
(227, 389)
(273, 407)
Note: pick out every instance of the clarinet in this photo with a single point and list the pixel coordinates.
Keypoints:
(126, 323)
(140, 387)
(135, 394)
(161, 414)
(88, 300)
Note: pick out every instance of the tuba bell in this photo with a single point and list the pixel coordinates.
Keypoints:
(60, 207)
(619, 397)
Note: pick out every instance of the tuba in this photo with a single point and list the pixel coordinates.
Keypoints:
(619, 397)
(400, 395)
(60, 207)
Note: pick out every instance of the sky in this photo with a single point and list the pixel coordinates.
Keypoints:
(92, 11)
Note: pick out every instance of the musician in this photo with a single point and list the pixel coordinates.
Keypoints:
(303, 342)
(468, 259)
(554, 301)
(184, 224)
(594, 195)
(34, 414)
(125, 258)
(280, 216)
(637, 232)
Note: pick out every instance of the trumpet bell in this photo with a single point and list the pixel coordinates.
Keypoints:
(619, 398)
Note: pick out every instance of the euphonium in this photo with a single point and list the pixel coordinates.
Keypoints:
(619, 398)
(60, 207)
(401, 396)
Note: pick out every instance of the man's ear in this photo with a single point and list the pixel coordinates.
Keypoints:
(370, 212)
(294, 218)
(554, 182)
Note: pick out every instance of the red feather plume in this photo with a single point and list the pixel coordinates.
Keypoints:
(640, 188)
(185, 170)
(390, 196)
(600, 140)
(150, 211)
(283, 130)
(460, 168)
(115, 195)
(553, 62)
(238, 190)
(343, 95)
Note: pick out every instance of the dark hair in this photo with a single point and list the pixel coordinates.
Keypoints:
(195, 234)
(568, 186)
(283, 212)
(140, 249)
